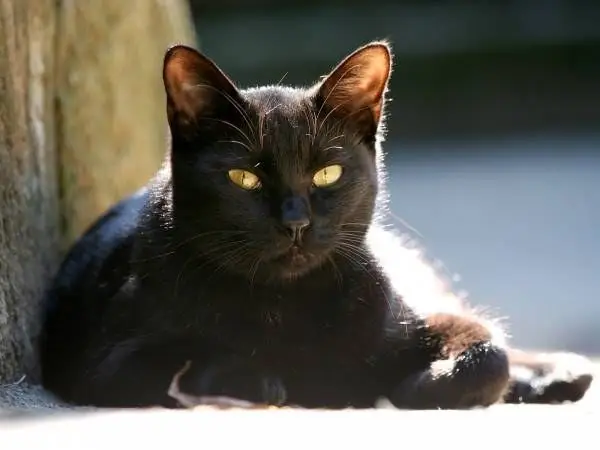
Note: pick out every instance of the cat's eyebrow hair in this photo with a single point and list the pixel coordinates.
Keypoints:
(330, 143)
(331, 147)
(233, 141)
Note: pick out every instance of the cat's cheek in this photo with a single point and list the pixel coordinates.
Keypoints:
(321, 236)
(325, 202)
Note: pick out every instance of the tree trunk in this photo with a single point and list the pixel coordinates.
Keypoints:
(28, 188)
(112, 128)
(82, 123)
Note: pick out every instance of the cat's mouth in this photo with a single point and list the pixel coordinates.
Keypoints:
(297, 256)
(294, 258)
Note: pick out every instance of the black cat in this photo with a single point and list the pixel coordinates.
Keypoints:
(257, 252)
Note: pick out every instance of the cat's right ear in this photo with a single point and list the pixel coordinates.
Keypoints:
(195, 87)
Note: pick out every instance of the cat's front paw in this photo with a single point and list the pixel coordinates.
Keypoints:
(478, 376)
(231, 383)
(549, 378)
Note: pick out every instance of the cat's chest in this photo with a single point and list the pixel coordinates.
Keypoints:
(299, 324)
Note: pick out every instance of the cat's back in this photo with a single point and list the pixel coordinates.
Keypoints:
(95, 267)
(103, 251)
(422, 287)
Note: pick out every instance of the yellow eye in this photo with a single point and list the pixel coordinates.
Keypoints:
(327, 175)
(244, 179)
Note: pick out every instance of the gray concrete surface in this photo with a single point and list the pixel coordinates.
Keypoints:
(497, 427)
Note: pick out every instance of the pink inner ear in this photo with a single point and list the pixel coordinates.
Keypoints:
(372, 87)
(190, 98)
(185, 96)
(193, 82)
(359, 81)
(183, 79)
(179, 69)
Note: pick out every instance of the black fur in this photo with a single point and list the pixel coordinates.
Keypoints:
(196, 268)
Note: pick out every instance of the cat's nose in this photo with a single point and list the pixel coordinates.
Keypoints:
(295, 216)
(296, 228)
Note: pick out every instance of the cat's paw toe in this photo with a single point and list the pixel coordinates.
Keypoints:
(483, 373)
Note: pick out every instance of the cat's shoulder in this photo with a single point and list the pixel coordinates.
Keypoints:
(109, 234)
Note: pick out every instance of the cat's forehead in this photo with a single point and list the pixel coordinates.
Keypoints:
(279, 109)
(281, 124)
(285, 119)
(286, 99)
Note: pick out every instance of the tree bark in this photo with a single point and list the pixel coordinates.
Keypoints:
(82, 123)
(111, 107)
(28, 188)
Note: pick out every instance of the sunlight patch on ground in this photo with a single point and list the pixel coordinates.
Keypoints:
(499, 426)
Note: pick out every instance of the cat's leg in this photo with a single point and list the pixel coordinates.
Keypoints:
(137, 374)
(272, 391)
(128, 374)
(233, 378)
(469, 369)
(548, 377)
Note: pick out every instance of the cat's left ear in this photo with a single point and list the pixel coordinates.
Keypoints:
(356, 88)
(195, 87)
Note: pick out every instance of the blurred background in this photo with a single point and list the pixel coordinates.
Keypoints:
(494, 135)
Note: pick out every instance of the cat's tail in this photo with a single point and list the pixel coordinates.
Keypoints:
(546, 378)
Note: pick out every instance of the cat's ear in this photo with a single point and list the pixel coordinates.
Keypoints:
(356, 88)
(195, 86)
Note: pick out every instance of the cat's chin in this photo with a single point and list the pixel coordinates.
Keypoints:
(290, 274)
(294, 263)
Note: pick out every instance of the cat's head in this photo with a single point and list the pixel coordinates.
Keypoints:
(274, 181)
